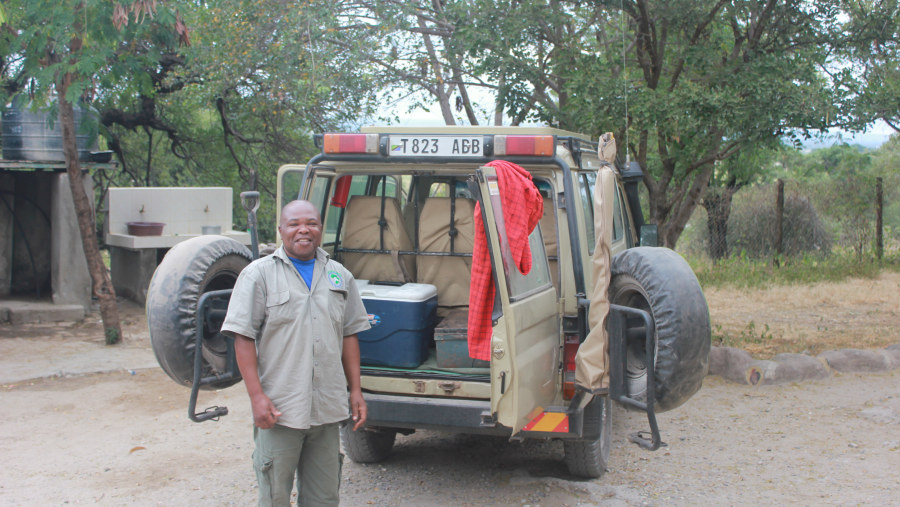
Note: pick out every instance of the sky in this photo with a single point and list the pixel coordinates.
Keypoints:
(873, 137)
(876, 135)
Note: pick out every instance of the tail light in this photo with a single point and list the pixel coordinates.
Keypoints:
(570, 348)
(534, 146)
(350, 143)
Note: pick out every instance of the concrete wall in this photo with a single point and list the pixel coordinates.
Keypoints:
(131, 271)
(184, 210)
(71, 279)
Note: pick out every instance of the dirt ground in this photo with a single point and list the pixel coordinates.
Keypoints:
(856, 313)
(123, 437)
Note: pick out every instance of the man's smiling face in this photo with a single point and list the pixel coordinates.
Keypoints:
(301, 230)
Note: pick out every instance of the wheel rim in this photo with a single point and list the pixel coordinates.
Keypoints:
(631, 295)
(215, 347)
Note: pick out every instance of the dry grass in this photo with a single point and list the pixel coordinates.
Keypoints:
(854, 313)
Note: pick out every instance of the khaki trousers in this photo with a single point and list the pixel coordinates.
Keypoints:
(313, 456)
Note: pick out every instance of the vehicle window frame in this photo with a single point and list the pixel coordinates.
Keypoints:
(586, 182)
(618, 232)
(520, 286)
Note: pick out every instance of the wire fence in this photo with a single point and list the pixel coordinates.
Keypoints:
(858, 215)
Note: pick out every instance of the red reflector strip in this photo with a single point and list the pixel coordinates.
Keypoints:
(350, 143)
(568, 390)
(540, 146)
(553, 422)
(570, 350)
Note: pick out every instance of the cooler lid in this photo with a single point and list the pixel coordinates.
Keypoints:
(407, 292)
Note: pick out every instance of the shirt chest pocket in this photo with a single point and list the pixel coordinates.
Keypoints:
(337, 301)
(278, 308)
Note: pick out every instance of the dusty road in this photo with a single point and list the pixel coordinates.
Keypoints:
(123, 439)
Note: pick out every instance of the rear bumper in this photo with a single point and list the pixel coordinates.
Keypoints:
(445, 414)
(455, 415)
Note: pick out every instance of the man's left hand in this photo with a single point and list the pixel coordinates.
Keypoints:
(358, 409)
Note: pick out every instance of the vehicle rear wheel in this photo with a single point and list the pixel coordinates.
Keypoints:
(659, 281)
(190, 269)
(589, 457)
(367, 445)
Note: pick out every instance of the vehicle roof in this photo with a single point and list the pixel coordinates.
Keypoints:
(469, 130)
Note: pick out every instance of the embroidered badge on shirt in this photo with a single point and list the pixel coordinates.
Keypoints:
(337, 281)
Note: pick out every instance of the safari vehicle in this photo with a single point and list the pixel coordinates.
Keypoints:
(397, 205)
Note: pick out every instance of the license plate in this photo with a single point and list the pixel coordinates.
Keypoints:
(436, 146)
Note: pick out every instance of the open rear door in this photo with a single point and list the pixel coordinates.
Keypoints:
(525, 346)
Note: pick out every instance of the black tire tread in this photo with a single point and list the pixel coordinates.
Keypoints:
(367, 445)
(588, 457)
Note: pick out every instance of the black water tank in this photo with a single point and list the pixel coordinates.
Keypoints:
(28, 135)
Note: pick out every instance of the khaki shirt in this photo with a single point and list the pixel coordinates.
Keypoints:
(299, 334)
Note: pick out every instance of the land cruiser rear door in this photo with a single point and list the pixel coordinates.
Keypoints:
(525, 343)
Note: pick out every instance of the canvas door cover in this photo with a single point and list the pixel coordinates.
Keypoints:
(592, 358)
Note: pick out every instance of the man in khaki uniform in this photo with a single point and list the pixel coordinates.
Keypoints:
(294, 316)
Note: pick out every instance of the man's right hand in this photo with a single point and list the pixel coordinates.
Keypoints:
(265, 415)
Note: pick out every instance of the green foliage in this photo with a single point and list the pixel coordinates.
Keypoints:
(112, 335)
(743, 272)
(704, 80)
(222, 93)
(841, 182)
(830, 199)
(874, 50)
(223, 103)
(78, 37)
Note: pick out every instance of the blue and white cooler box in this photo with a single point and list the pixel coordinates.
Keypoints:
(402, 318)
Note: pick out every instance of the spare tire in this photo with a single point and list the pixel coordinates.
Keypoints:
(661, 282)
(189, 269)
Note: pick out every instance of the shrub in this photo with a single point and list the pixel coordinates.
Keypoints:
(751, 226)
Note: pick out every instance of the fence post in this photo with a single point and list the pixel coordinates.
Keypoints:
(879, 217)
(779, 215)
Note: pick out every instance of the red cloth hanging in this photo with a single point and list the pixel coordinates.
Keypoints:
(522, 210)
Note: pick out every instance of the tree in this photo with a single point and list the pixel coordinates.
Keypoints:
(684, 84)
(873, 47)
(65, 55)
(730, 175)
(413, 45)
(843, 183)
(258, 79)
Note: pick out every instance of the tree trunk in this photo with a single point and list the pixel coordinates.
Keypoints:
(717, 202)
(102, 284)
(717, 225)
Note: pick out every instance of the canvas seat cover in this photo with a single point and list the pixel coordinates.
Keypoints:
(363, 231)
(450, 274)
